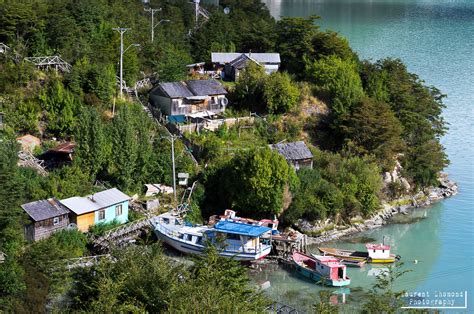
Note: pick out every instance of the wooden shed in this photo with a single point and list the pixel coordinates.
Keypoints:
(296, 154)
(46, 217)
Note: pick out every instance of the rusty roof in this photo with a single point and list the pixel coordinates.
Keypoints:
(66, 147)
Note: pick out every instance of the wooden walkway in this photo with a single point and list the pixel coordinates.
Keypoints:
(121, 235)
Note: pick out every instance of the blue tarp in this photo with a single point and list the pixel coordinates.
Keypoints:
(176, 119)
(240, 228)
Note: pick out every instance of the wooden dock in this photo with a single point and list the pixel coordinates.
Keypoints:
(285, 244)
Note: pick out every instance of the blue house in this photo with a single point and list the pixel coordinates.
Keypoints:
(101, 207)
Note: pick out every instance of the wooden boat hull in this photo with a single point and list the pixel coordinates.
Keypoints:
(356, 256)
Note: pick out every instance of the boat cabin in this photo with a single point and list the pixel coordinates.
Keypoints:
(241, 237)
(330, 267)
(378, 251)
(231, 215)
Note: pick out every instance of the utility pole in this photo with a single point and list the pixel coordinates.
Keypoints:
(153, 26)
(152, 20)
(196, 10)
(121, 30)
(172, 138)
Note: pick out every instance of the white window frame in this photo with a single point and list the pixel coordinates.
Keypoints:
(55, 221)
(101, 211)
(121, 210)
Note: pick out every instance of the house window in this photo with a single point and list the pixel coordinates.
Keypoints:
(55, 221)
(101, 214)
(118, 210)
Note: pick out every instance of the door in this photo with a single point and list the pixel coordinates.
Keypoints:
(84, 221)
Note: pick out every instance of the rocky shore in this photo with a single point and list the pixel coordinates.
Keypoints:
(328, 231)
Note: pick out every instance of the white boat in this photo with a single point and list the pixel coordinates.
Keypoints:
(235, 240)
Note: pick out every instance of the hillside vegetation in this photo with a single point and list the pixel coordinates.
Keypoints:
(358, 117)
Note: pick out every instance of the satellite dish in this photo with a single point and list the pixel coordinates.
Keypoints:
(226, 10)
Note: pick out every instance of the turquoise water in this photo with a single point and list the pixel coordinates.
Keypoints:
(436, 40)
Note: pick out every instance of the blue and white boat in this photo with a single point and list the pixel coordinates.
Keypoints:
(235, 240)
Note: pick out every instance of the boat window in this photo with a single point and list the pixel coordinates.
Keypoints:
(232, 236)
(374, 251)
(181, 236)
(166, 220)
(186, 237)
(199, 240)
(383, 251)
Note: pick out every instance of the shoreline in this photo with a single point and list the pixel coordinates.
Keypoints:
(429, 196)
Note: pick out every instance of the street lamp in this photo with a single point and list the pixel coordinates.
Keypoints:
(122, 30)
(153, 21)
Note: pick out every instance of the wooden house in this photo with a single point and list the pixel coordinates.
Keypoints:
(101, 207)
(189, 98)
(233, 63)
(296, 154)
(46, 217)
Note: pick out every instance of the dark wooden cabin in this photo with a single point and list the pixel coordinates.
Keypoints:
(46, 217)
(59, 156)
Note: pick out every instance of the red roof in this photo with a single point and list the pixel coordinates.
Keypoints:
(66, 147)
(371, 246)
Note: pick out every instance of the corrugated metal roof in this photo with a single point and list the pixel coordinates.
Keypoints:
(44, 209)
(240, 228)
(90, 203)
(206, 87)
(226, 57)
(293, 151)
(192, 88)
(241, 61)
(176, 89)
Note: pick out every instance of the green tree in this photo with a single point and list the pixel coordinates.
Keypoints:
(315, 198)
(217, 284)
(280, 93)
(338, 81)
(330, 43)
(60, 105)
(294, 42)
(371, 128)
(253, 183)
(11, 237)
(171, 63)
(248, 92)
(24, 117)
(419, 109)
(92, 148)
(124, 147)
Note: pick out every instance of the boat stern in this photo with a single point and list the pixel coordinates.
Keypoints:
(339, 282)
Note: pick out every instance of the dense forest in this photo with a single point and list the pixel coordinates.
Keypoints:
(359, 118)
